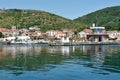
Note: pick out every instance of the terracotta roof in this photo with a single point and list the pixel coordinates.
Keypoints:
(112, 31)
(29, 32)
(87, 30)
(14, 30)
(4, 30)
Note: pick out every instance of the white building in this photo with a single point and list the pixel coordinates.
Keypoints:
(55, 33)
(65, 40)
(51, 33)
(83, 34)
(112, 34)
(98, 34)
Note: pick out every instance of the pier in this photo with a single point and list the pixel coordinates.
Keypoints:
(84, 43)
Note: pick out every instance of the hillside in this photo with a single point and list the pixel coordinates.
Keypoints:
(108, 17)
(29, 18)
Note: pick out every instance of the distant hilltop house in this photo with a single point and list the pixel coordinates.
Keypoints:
(33, 29)
(98, 34)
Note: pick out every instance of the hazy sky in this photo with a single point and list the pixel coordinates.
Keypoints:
(67, 8)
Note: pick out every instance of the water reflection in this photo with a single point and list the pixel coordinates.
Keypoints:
(103, 57)
(97, 53)
(45, 58)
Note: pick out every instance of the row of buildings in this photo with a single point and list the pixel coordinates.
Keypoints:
(99, 34)
(94, 34)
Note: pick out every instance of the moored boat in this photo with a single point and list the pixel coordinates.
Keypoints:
(22, 40)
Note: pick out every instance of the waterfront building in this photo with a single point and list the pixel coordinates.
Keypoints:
(113, 35)
(83, 34)
(14, 32)
(98, 34)
(69, 33)
(5, 32)
(51, 33)
(60, 34)
(55, 33)
(65, 39)
(118, 36)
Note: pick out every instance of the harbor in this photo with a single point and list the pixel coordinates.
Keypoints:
(59, 40)
(93, 36)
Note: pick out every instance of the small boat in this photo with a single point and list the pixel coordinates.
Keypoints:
(16, 40)
(22, 40)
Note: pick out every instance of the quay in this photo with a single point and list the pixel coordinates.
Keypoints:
(84, 43)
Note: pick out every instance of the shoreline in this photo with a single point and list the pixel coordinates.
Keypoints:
(68, 44)
(84, 43)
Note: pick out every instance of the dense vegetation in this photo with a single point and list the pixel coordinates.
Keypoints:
(31, 18)
(108, 17)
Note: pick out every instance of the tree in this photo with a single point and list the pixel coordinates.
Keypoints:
(1, 35)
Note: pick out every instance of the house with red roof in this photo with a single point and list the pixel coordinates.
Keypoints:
(5, 32)
(83, 34)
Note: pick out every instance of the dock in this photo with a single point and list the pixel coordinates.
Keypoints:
(84, 43)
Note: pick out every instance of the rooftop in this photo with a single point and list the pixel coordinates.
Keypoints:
(97, 27)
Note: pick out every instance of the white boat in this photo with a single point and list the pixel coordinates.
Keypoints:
(43, 41)
(22, 40)
(16, 40)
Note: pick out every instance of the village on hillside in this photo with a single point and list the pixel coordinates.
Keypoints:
(34, 35)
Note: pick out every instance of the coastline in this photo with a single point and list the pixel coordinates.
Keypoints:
(83, 43)
(66, 44)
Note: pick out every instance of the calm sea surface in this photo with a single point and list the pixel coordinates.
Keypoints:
(38, 62)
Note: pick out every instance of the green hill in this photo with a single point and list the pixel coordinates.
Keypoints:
(29, 18)
(108, 17)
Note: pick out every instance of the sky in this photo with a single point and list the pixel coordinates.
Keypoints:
(70, 9)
